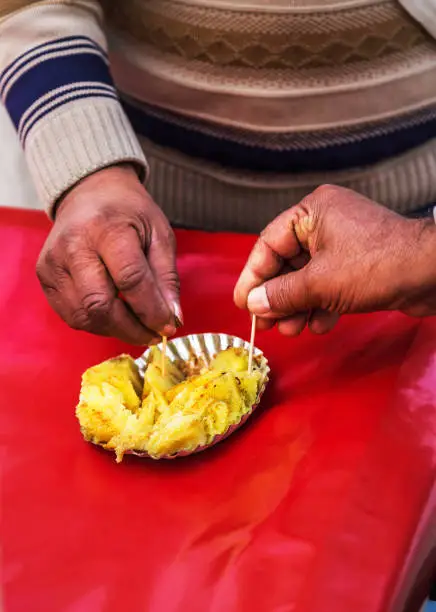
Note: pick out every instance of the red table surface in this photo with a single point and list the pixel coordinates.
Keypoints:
(324, 501)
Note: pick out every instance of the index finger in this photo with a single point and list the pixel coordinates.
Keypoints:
(277, 243)
(97, 304)
(131, 274)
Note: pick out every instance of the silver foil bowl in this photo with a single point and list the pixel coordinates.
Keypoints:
(202, 348)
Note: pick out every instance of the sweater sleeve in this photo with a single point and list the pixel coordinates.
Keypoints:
(424, 11)
(56, 85)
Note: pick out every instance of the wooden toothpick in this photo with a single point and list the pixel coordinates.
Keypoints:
(164, 354)
(250, 352)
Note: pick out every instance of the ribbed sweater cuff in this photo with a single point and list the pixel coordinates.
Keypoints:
(62, 100)
(77, 140)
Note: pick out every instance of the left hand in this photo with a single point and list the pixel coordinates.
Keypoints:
(109, 237)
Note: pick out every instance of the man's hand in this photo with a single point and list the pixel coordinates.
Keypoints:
(109, 237)
(337, 252)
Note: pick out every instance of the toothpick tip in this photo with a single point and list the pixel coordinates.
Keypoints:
(252, 335)
(164, 353)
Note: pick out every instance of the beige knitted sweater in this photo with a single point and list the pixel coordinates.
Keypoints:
(234, 109)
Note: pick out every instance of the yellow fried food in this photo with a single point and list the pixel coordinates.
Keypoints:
(120, 373)
(164, 415)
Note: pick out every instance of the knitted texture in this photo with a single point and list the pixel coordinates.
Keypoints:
(237, 103)
(271, 38)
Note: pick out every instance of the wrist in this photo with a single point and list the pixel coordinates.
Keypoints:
(124, 172)
(419, 271)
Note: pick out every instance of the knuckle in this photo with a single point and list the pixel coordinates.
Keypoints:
(279, 294)
(170, 278)
(72, 243)
(294, 290)
(41, 272)
(110, 230)
(49, 268)
(169, 237)
(129, 277)
(283, 295)
(327, 193)
(327, 189)
(166, 237)
(96, 305)
(79, 320)
(47, 259)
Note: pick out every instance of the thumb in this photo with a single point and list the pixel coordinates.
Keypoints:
(286, 294)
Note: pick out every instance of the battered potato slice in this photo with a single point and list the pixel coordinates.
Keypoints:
(165, 415)
(110, 395)
(120, 373)
(231, 360)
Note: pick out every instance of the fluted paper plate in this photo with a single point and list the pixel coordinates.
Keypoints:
(204, 347)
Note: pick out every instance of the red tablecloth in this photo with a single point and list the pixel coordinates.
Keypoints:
(324, 501)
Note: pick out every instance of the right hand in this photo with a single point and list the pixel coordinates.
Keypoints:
(338, 252)
(109, 237)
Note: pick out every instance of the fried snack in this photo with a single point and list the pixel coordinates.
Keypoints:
(165, 415)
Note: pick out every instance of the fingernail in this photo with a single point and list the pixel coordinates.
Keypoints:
(178, 315)
(258, 301)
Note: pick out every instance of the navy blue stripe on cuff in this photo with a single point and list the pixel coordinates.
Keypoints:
(364, 151)
(51, 74)
(58, 44)
(9, 74)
